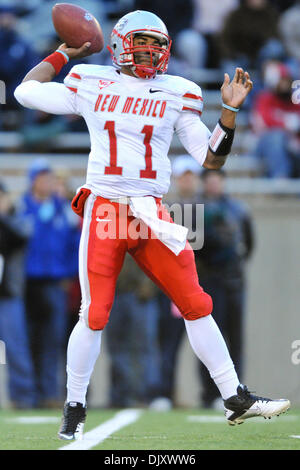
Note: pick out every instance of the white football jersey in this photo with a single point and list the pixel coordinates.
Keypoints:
(131, 122)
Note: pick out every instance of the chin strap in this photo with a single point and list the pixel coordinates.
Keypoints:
(143, 72)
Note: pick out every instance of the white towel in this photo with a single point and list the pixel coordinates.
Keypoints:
(171, 234)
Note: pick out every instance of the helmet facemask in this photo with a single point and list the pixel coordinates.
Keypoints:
(156, 57)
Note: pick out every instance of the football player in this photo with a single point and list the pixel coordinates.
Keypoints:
(132, 110)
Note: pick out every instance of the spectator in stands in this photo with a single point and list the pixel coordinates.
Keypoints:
(170, 331)
(132, 339)
(249, 35)
(282, 5)
(208, 19)
(228, 244)
(64, 191)
(276, 121)
(177, 16)
(13, 325)
(289, 29)
(16, 55)
(22, 6)
(50, 259)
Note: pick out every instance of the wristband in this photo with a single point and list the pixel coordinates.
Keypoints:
(235, 110)
(64, 54)
(221, 139)
(58, 59)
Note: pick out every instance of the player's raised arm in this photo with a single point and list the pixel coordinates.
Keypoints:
(38, 92)
(234, 94)
(46, 70)
(78, 28)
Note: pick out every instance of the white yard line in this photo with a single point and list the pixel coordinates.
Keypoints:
(104, 430)
(295, 437)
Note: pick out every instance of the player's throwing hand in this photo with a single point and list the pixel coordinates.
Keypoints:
(73, 53)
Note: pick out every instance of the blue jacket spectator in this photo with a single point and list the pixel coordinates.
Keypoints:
(16, 55)
(54, 236)
(46, 257)
(51, 259)
(13, 324)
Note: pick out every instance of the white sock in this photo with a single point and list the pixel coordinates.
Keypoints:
(210, 347)
(83, 351)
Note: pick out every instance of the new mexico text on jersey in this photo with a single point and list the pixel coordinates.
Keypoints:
(131, 122)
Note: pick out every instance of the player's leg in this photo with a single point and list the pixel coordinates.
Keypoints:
(100, 261)
(213, 285)
(177, 277)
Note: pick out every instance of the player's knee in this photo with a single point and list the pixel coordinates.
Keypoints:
(97, 325)
(96, 318)
(200, 305)
(99, 322)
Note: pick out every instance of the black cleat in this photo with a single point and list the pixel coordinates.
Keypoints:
(244, 405)
(72, 421)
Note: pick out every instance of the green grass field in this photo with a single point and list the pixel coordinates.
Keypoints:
(188, 429)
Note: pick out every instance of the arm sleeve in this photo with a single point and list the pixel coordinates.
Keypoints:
(50, 97)
(193, 134)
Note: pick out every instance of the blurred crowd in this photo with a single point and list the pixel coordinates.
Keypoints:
(261, 36)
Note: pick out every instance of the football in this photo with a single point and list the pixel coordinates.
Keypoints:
(75, 26)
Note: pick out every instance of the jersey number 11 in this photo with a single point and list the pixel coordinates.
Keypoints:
(113, 169)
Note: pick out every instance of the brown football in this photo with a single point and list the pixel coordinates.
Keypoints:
(75, 26)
